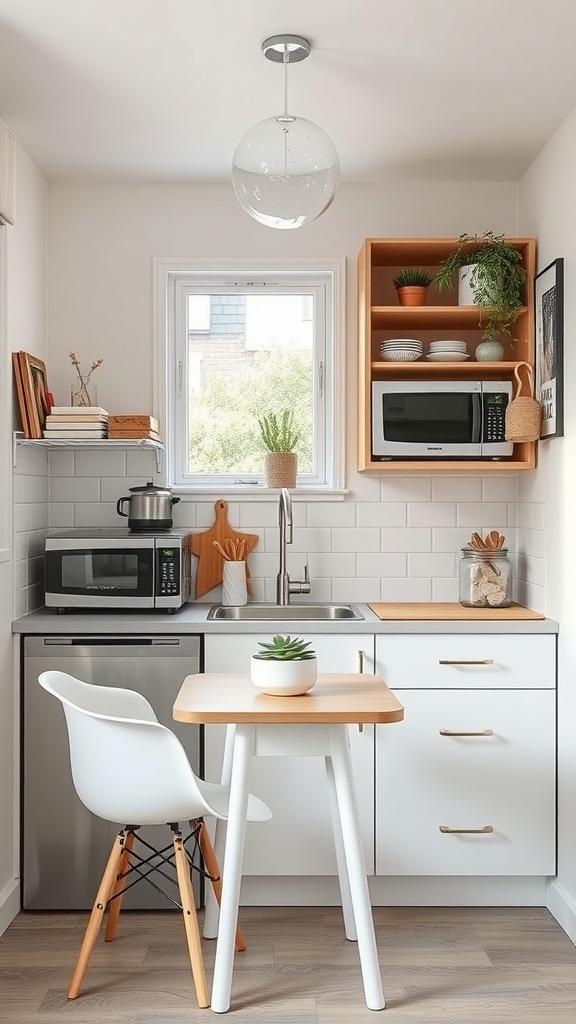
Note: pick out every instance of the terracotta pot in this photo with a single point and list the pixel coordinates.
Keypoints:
(280, 469)
(413, 295)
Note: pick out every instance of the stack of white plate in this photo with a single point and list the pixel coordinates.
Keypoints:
(401, 350)
(448, 351)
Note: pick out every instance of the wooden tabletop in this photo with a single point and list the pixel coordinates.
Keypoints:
(336, 697)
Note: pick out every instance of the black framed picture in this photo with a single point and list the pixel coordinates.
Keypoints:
(549, 364)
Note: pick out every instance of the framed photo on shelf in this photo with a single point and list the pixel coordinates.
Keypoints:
(32, 389)
(549, 362)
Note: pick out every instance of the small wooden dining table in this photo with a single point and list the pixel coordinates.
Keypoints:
(314, 723)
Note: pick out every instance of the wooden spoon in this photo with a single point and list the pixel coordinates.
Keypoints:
(493, 538)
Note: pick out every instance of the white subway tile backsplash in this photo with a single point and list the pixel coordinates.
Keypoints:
(500, 488)
(428, 513)
(367, 539)
(388, 564)
(405, 590)
(392, 538)
(406, 488)
(387, 513)
(457, 488)
(400, 539)
(490, 515)
(77, 489)
(421, 565)
(101, 463)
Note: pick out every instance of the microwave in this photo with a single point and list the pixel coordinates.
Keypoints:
(441, 419)
(109, 569)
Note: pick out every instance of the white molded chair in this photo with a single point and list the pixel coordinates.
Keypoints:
(127, 768)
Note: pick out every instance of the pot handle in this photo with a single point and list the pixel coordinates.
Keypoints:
(119, 507)
(175, 501)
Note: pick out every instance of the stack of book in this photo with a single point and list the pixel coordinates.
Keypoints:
(135, 427)
(80, 423)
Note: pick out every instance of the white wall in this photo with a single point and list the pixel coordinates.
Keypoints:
(546, 210)
(25, 259)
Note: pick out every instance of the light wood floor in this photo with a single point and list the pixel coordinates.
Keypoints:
(439, 966)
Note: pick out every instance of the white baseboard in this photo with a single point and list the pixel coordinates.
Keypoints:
(9, 904)
(563, 907)
(416, 891)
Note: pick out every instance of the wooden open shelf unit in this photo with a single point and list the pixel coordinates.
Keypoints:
(380, 317)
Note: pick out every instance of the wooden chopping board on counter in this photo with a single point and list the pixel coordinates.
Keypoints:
(442, 611)
(210, 569)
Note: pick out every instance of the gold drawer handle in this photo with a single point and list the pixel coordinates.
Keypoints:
(453, 732)
(361, 662)
(484, 661)
(467, 831)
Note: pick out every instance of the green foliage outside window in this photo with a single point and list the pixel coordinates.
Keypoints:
(224, 434)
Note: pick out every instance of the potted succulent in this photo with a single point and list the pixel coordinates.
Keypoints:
(285, 666)
(412, 285)
(491, 277)
(280, 439)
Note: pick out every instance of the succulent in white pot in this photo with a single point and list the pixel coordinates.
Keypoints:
(284, 667)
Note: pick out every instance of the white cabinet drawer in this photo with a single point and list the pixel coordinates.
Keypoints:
(464, 660)
(501, 780)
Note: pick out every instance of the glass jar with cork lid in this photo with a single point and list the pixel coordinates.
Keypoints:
(485, 577)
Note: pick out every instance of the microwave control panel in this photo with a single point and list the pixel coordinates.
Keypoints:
(168, 578)
(494, 417)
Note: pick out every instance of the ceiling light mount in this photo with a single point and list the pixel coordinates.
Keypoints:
(285, 170)
(286, 49)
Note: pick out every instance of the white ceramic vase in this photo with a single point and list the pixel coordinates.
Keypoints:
(234, 590)
(283, 678)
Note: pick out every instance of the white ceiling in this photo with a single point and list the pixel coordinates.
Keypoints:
(163, 90)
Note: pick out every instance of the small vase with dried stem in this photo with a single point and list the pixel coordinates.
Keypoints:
(83, 391)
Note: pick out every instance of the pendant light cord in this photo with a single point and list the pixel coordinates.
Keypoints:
(286, 61)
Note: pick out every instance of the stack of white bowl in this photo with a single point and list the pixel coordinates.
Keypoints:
(401, 350)
(448, 351)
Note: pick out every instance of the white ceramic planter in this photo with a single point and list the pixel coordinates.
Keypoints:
(465, 296)
(283, 678)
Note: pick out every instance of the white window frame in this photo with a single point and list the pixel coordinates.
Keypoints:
(170, 278)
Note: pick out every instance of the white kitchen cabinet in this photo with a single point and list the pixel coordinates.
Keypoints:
(298, 840)
(467, 785)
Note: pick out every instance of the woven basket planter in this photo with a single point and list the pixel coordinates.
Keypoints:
(280, 469)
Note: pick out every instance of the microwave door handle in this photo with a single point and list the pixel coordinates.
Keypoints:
(476, 418)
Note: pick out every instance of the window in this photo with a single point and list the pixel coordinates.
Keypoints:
(240, 342)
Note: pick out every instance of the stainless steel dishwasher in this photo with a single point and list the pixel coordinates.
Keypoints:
(64, 846)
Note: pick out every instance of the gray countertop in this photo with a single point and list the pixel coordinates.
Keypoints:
(192, 619)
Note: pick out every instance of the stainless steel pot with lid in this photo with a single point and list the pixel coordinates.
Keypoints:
(149, 507)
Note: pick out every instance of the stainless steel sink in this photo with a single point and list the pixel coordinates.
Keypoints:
(283, 613)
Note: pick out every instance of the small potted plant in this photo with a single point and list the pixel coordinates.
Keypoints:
(412, 285)
(285, 666)
(280, 440)
(492, 277)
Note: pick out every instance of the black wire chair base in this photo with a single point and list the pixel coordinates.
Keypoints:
(142, 866)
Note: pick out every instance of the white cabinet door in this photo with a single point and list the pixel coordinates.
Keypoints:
(502, 779)
(298, 840)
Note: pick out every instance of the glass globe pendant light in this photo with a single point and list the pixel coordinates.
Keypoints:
(285, 170)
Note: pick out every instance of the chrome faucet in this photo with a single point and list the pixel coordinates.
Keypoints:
(284, 585)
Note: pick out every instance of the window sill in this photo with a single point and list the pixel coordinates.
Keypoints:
(250, 494)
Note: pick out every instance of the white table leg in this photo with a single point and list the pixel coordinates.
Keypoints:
(342, 767)
(212, 910)
(232, 868)
(345, 897)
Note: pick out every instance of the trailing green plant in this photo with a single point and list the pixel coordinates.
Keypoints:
(285, 648)
(496, 277)
(278, 433)
(412, 277)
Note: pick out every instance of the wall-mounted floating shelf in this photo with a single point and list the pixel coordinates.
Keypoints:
(104, 443)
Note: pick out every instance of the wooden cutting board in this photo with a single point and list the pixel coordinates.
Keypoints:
(444, 610)
(210, 563)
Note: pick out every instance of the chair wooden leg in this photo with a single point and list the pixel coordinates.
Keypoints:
(213, 869)
(116, 905)
(190, 921)
(95, 920)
